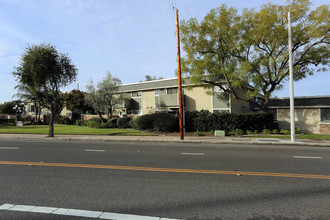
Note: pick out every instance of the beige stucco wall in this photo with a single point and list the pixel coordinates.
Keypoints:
(308, 120)
(148, 102)
(197, 99)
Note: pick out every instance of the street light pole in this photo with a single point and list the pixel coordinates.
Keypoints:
(292, 115)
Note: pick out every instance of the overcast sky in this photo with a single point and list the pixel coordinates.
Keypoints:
(129, 38)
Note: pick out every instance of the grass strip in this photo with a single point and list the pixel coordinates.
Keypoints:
(69, 129)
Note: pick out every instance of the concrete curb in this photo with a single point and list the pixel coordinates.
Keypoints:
(168, 139)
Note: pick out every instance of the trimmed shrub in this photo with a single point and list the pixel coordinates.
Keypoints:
(165, 122)
(133, 124)
(93, 124)
(63, 120)
(203, 121)
(145, 122)
(123, 122)
(298, 130)
(206, 121)
(189, 120)
(112, 123)
(96, 119)
(103, 125)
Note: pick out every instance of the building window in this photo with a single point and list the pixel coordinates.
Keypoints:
(325, 115)
(172, 91)
(137, 94)
(158, 92)
(221, 111)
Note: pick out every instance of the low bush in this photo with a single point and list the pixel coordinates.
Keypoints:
(124, 122)
(63, 120)
(93, 124)
(206, 121)
(275, 131)
(266, 131)
(96, 119)
(161, 121)
(145, 122)
(285, 131)
(165, 122)
(238, 132)
(103, 125)
(112, 123)
(133, 124)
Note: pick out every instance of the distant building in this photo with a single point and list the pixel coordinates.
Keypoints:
(162, 96)
(312, 113)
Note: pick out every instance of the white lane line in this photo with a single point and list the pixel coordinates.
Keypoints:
(9, 148)
(42, 209)
(94, 150)
(77, 212)
(307, 157)
(6, 206)
(117, 216)
(22, 208)
(196, 154)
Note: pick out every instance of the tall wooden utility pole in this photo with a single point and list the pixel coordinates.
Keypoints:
(179, 75)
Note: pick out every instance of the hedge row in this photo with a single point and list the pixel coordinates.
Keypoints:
(112, 123)
(161, 121)
(205, 121)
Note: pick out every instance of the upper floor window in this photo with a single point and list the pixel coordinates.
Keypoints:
(172, 91)
(137, 94)
(158, 92)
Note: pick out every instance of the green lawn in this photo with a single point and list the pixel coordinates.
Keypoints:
(298, 136)
(68, 129)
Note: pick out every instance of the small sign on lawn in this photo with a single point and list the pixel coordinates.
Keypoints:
(19, 123)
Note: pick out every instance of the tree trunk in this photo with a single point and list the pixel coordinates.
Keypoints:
(39, 113)
(51, 120)
(35, 111)
(100, 114)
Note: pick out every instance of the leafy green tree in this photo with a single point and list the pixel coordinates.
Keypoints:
(94, 98)
(7, 107)
(105, 95)
(75, 101)
(108, 88)
(249, 51)
(43, 66)
(151, 78)
(32, 94)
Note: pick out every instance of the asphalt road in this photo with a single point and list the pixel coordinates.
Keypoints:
(180, 190)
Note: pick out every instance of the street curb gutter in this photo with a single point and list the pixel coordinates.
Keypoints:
(162, 139)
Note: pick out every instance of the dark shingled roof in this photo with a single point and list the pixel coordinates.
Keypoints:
(151, 85)
(308, 101)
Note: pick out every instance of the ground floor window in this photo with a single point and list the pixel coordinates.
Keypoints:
(325, 115)
(221, 111)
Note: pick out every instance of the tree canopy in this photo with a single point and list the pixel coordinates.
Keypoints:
(104, 95)
(42, 66)
(249, 51)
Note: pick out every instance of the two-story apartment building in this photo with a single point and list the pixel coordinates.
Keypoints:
(162, 96)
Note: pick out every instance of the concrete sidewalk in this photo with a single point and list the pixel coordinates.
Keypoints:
(171, 139)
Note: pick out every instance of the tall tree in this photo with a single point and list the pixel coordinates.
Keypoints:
(250, 51)
(108, 89)
(94, 98)
(75, 101)
(42, 65)
(104, 95)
